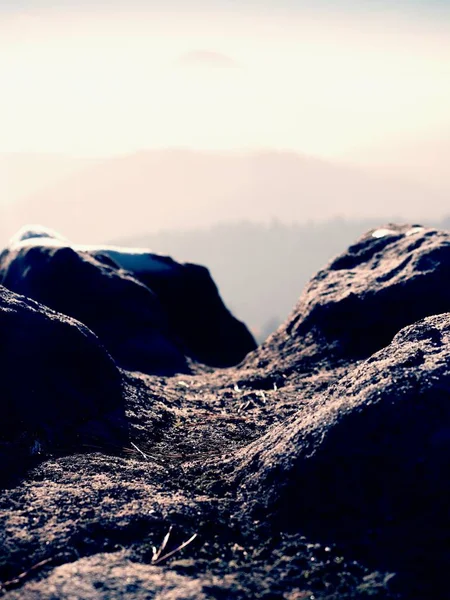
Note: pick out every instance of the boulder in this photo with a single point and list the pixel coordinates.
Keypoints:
(29, 232)
(365, 462)
(59, 387)
(210, 333)
(362, 460)
(181, 311)
(124, 313)
(85, 578)
(391, 277)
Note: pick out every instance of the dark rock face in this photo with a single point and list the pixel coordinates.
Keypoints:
(57, 382)
(210, 333)
(365, 463)
(390, 278)
(149, 310)
(318, 468)
(125, 314)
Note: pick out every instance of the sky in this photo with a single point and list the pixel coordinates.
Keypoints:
(331, 79)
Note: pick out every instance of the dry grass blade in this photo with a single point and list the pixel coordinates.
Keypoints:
(146, 456)
(177, 549)
(156, 555)
(139, 450)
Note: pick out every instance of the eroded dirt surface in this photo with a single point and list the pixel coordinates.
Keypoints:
(85, 525)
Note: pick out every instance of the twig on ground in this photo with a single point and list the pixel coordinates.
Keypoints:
(178, 549)
(12, 582)
(157, 553)
(158, 559)
(146, 456)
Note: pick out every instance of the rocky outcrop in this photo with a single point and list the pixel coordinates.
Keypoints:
(59, 387)
(210, 333)
(391, 277)
(124, 313)
(149, 310)
(315, 469)
(364, 463)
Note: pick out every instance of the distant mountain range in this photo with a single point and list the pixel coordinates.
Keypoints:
(426, 159)
(24, 174)
(99, 200)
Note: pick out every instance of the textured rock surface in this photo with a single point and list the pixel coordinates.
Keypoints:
(126, 315)
(316, 469)
(161, 309)
(390, 278)
(86, 579)
(364, 463)
(209, 332)
(55, 378)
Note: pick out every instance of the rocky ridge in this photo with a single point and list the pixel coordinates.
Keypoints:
(315, 468)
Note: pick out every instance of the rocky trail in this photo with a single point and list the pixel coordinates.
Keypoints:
(138, 460)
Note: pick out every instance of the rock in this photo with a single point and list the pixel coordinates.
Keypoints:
(210, 333)
(29, 232)
(59, 387)
(83, 526)
(390, 278)
(127, 579)
(187, 308)
(365, 463)
(124, 313)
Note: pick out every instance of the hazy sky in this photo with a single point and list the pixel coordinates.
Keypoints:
(325, 77)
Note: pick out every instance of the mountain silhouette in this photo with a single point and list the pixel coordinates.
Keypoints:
(183, 189)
